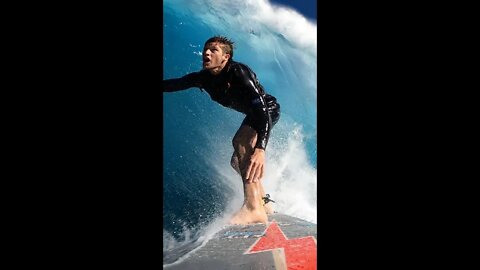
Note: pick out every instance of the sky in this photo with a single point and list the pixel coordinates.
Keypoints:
(306, 7)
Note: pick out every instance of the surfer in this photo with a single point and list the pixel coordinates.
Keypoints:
(234, 85)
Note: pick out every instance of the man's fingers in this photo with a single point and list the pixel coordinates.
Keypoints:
(262, 171)
(249, 169)
(255, 176)
(252, 172)
(258, 173)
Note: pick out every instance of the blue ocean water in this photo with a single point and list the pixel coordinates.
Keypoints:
(200, 188)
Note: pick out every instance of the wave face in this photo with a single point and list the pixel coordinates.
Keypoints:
(200, 188)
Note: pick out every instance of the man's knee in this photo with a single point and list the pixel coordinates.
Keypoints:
(234, 142)
(239, 141)
(235, 163)
(244, 137)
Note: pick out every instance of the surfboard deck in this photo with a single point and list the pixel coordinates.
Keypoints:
(284, 243)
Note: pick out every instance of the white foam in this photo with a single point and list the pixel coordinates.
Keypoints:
(205, 234)
(290, 177)
(250, 16)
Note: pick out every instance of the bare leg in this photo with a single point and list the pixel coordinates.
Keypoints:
(252, 210)
(268, 207)
(235, 164)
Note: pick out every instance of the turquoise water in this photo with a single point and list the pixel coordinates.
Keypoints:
(200, 187)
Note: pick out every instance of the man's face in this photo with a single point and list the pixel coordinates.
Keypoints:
(213, 56)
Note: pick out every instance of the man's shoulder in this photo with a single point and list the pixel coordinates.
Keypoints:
(241, 69)
(237, 65)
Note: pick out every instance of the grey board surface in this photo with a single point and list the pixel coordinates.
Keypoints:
(228, 248)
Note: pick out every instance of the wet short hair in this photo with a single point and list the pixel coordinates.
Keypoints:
(226, 44)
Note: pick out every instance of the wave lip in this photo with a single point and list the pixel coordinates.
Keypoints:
(251, 15)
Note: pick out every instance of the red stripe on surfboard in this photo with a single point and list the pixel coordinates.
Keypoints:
(300, 253)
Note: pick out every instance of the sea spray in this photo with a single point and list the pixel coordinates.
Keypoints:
(290, 178)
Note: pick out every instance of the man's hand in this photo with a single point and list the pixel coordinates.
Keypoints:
(255, 166)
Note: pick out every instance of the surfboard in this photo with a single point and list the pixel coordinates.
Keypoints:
(285, 243)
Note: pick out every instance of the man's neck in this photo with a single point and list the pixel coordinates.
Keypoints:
(218, 70)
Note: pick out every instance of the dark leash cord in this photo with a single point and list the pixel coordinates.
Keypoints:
(267, 199)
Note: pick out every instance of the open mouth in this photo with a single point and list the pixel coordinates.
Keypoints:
(206, 60)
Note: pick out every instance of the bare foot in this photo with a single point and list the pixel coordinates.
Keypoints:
(245, 216)
(268, 208)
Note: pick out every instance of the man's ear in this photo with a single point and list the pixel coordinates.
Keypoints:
(227, 55)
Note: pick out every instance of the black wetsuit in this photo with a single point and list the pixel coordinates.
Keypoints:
(235, 87)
